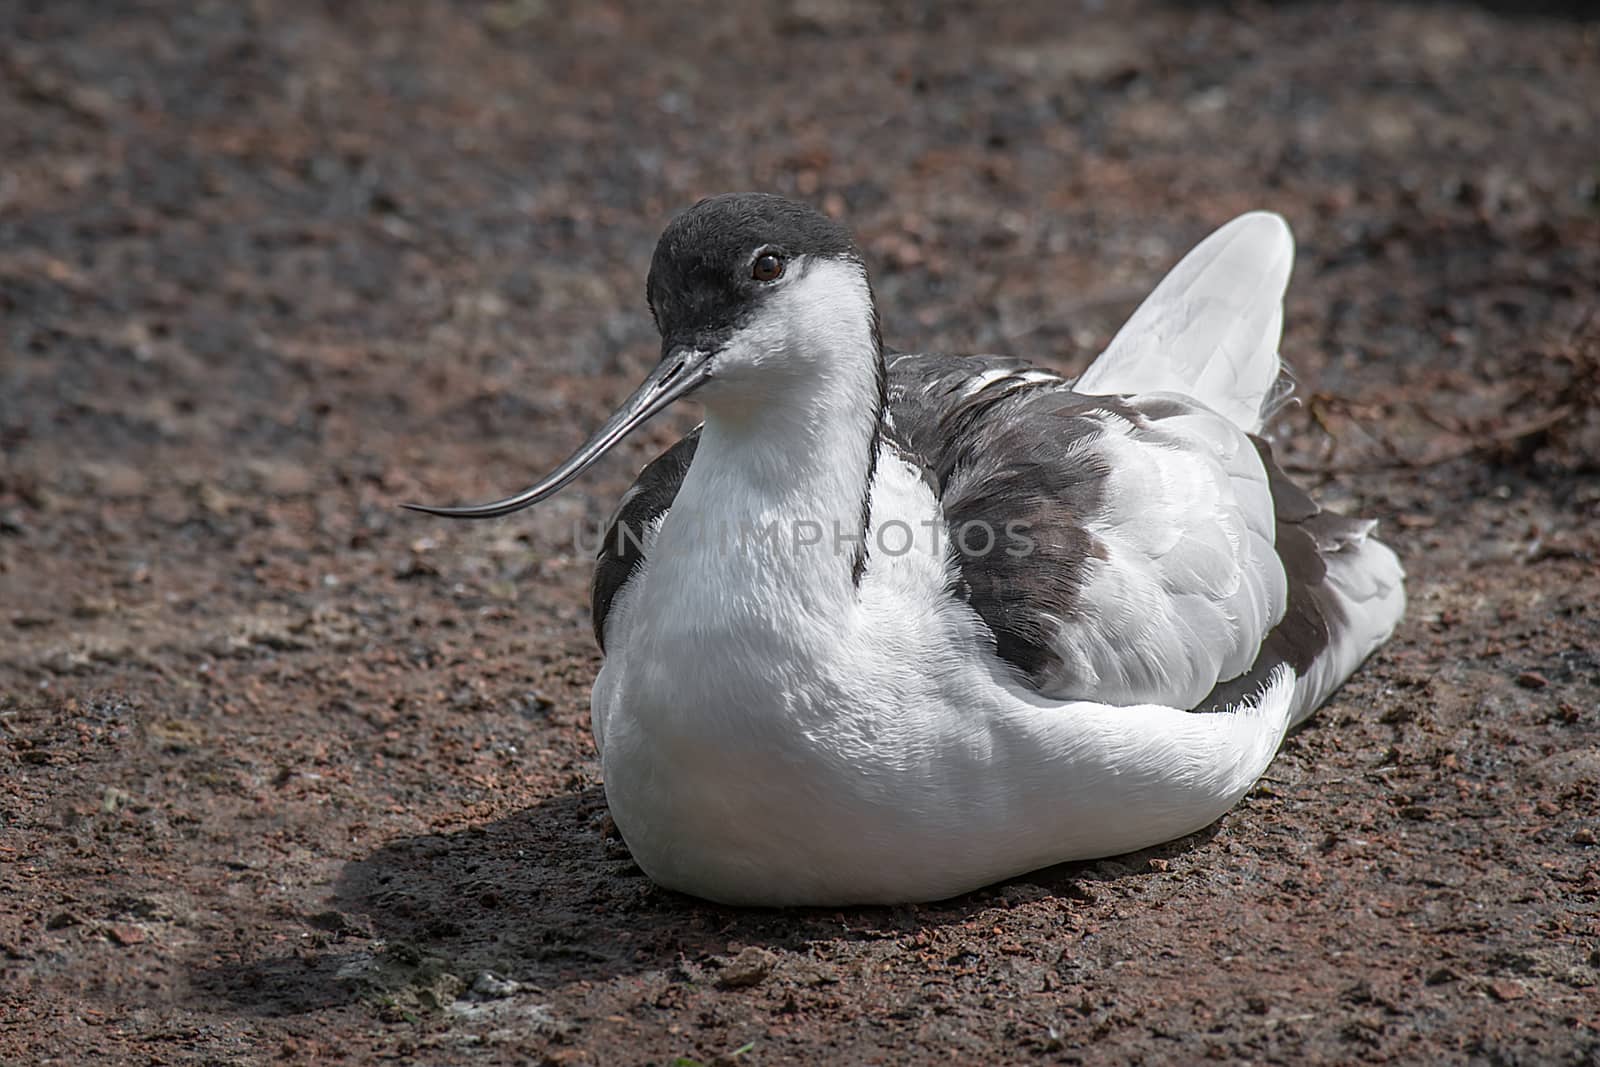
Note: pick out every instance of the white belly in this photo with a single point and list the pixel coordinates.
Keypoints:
(772, 802)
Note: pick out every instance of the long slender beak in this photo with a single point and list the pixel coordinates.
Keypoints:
(679, 373)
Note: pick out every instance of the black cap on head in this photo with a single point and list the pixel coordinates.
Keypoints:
(701, 287)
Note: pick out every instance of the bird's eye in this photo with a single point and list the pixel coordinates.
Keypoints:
(768, 267)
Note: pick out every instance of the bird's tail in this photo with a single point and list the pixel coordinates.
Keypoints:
(1362, 598)
(1210, 330)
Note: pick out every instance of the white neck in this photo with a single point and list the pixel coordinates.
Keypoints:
(769, 519)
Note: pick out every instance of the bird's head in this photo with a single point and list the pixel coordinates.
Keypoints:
(758, 300)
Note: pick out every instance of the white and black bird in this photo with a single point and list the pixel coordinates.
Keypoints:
(888, 627)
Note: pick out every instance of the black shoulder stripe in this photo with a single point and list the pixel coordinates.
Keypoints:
(622, 551)
(858, 564)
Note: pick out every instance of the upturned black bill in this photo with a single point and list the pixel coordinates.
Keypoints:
(675, 376)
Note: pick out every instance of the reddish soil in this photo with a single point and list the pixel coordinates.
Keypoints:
(287, 774)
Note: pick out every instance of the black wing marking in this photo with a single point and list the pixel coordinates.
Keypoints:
(992, 434)
(622, 551)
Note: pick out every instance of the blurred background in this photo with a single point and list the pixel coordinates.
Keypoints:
(269, 268)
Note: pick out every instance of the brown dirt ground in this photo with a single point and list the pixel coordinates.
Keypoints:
(286, 771)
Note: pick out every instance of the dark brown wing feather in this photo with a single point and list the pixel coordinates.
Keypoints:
(995, 456)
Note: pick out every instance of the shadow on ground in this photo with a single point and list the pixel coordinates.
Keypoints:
(550, 896)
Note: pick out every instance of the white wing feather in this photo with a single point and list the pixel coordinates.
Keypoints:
(1211, 328)
(1189, 583)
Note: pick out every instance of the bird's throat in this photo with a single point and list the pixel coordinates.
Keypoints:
(775, 507)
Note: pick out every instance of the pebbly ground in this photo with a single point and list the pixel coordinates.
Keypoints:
(287, 774)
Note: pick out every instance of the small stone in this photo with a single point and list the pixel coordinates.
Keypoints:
(491, 986)
(563, 1057)
(748, 968)
(116, 481)
(414, 568)
(1584, 836)
(125, 934)
(815, 973)
(1503, 989)
(1532, 680)
(282, 477)
(334, 922)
